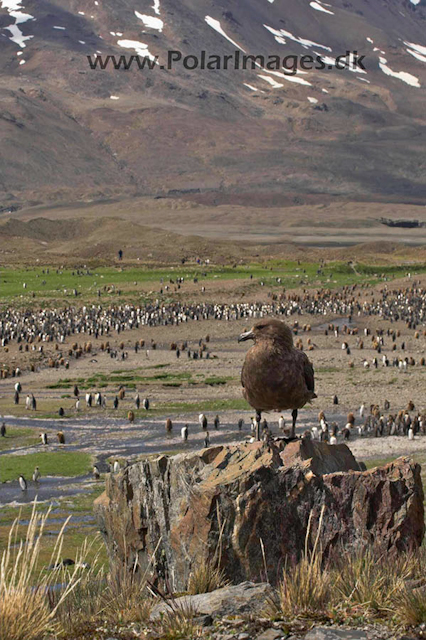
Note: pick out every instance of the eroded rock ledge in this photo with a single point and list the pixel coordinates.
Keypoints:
(225, 502)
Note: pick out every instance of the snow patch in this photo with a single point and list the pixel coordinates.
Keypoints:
(13, 7)
(82, 42)
(417, 55)
(81, 13)
(140, 48)
(312, 100)
(290, 78)
(286, 34)
(318, 6)
(61, 28)
(156, 7)
(399, 75)
(249, 86)
(215, 24)
(275, 85)
(370, 40)
(417, 47)
(114, 98)
(350, 66)
(150, 22)
(22, 62)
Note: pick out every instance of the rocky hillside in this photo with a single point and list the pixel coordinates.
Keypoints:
(70, 132)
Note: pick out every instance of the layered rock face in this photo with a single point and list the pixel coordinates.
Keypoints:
(247, 508)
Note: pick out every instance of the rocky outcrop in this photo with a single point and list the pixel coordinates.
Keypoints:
(247, 508)
(241, 599)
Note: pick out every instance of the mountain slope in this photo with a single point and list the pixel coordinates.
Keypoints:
(69, 132)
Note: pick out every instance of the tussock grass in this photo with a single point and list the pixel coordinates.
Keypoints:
(178, 623)
(39, 600)
(410, 606)
(353, 586)
(371, 583)
(305, 589)
(25, 613)
(206, 577)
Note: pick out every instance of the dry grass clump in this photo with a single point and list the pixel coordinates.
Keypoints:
(25, 613)
(36, 602)
(178, 622)
(371, 583)
(305, 589)
(359, 585)
(410, 606)
(119, 597)
(206, 577)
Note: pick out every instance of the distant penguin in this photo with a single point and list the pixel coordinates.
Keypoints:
(43, 437)
(116, 466)
(202, 419)
(169, 425)
(145, 404)
(281, 424)
(115, 403)
(36, 475)
(216, 422)
(131, 416)
(77, 405)
(184, 433)
(207, 440)
(61, 412)
(240, 424)
(96, 473)
(333, 440)
(335, 400)
(137, 401)
(22, 483)
(61, 437)
(3, 430)
(410, 434)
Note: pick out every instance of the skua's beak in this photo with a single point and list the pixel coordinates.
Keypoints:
(247, 335)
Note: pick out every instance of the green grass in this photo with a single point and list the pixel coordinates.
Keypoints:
(59, 463)
(217, 380)
(378, 462)
(18, 437)
(206, 405)
(78, 507)
(59, 286)
(131, 379)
